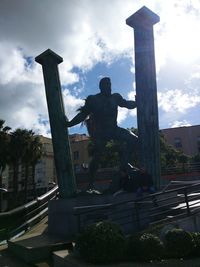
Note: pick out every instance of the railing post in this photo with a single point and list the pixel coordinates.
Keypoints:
(187, 202)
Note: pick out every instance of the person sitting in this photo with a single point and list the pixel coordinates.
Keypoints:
(145, 183)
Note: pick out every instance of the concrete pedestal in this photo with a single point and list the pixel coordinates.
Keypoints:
(64, 222)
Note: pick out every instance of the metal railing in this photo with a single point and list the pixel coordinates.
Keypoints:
(181, 168)
(133, 214)
(22, 218)
(137, 214)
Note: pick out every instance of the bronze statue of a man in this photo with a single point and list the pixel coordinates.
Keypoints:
(102, 110)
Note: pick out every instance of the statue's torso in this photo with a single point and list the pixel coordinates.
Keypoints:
(103, 110)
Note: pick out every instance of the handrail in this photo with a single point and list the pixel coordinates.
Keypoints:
(18, 219)
(181, 168)
(150, 207)
(138, 200)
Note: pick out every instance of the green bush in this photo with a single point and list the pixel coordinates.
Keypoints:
(145, 247)
(101, 242)
(133, 250)
(178, 243)
(196, 241)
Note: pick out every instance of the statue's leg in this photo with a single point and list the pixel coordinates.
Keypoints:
(94, 163)
(129, 145)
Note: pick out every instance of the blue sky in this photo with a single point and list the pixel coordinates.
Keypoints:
(94, 41)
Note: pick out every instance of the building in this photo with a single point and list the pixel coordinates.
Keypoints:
(185, 139)
(79, 149)
(45, 172)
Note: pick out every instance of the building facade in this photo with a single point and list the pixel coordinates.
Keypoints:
(45, 172)
(185, 139)
(79, 149)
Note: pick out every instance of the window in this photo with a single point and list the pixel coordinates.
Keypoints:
(76, 155)
(177, 142)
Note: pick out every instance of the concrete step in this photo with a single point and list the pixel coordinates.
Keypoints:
(64, 258)
(36, 247)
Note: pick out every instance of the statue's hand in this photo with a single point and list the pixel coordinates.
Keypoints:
(68, 123)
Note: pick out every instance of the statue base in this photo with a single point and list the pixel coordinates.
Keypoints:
(67, 217)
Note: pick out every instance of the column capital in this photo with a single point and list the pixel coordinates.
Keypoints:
(144, 18)
(48, 54)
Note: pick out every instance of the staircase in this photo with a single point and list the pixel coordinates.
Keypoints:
(133, 214)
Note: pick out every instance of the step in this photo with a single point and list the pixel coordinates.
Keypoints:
(64, 258)
(35, 248)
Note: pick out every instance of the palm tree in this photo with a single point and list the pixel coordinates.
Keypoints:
(25, 150)
(26, 158)
(18, 146)
(4, 145)
(36, 149)
(33, 152)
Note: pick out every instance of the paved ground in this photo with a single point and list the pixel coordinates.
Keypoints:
(8, 260)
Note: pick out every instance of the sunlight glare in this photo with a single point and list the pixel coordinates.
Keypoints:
(183, 39)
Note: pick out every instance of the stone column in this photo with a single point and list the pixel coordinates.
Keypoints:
(61, 147)
(146, 90)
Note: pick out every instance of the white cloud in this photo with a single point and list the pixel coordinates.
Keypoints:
(83, 33)
(132, 94)
(73, 29)
(122, 114)
(71, 104)
(179, 124)
(177, 101)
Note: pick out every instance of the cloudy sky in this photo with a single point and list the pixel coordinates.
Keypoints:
(94, 41)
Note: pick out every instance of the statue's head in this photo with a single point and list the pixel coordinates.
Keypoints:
(105, 86)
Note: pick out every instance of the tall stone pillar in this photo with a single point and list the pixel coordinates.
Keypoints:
(62, 153)
(146, 90)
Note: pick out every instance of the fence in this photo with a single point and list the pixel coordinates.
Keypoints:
(22, 218)
(132, 215)
(138, 214)
(182, 168)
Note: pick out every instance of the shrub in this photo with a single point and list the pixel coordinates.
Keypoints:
(178, 243)
(133, 249)
(196, 241)
(145, 247)
(101, 242)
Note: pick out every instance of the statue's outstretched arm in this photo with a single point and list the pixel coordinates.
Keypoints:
(84, 111)
(130, 104)
(81, 116)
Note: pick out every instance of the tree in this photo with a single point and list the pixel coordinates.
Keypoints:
(25, 150)
(34, 153)
(26, 159)
(196, 158)
(4, 147)
(170, 157)
(18, 146)
(111, 155)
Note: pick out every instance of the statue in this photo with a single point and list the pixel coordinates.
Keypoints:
(100, 114)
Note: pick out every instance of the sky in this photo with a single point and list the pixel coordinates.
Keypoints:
(94, 41)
